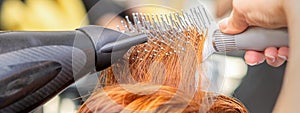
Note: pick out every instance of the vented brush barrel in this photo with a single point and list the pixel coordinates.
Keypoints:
(254, 38)
(168, 27)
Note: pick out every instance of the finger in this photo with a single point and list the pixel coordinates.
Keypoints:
(283, 53)
(271, 54)
(234, 24)
(272, 59)
(253, 57)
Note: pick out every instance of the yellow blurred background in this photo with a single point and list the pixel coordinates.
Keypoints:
(42, 14)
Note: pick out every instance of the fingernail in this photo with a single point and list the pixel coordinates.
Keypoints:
(223, 24)
(256, 63)
(252, 64)
(270, 57)
(282, 57)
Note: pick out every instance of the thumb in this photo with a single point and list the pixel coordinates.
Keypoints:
(234, 24)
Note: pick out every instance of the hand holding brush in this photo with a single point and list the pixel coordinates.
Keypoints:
(253, 13)
(272, 14)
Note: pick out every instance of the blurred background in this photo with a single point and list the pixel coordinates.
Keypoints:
(257, 87)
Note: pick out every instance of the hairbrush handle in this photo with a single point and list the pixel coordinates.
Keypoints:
(254, 38)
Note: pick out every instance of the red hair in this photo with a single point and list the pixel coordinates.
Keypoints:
(160, 76)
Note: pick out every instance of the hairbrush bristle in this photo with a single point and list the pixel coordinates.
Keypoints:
(194, 17)
(175, 30)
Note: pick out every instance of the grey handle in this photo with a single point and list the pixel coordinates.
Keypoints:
(254, 38)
